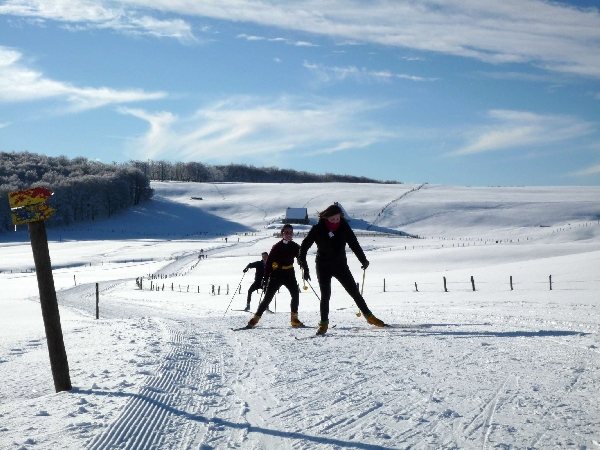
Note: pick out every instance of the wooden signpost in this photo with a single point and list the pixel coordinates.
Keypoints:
(29, 206)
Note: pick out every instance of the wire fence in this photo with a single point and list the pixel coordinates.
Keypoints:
(161, 283)
(509, 283)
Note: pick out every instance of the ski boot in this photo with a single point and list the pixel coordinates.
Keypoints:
(323, 324)
(374, 321)
(295, 322)
(252, 322)
(247, 307)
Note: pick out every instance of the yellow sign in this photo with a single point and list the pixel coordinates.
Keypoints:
(28, 197)
(30, 205)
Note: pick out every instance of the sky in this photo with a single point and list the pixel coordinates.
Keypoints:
(459, 92)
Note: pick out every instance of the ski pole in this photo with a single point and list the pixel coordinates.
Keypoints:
(313, 289)
(234, 292)
(362, 288)
(264, 290)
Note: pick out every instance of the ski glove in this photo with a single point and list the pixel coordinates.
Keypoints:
(365, 265)
(245, 270)
(305, 275)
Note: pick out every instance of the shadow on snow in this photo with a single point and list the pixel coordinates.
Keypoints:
(238, 426)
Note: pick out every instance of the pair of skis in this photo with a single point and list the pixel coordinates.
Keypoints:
(251, 328)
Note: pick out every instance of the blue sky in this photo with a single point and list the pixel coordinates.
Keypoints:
(463, 92)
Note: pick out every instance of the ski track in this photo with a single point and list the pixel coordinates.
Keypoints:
(263, 389)
(177, 402)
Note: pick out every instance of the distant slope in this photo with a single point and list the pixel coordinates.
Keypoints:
(182, 210)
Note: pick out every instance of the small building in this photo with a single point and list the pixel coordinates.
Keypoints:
(296, 215)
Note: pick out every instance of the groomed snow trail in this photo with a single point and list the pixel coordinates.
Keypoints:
(455, 384)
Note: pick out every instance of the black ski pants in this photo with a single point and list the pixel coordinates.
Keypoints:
(325, 272)
(253, 287)
(280, 278)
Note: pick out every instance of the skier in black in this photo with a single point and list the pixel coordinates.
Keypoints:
(279, 271)
(331, 234)
(258, 277)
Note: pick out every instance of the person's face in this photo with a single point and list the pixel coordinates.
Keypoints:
(288, 234)
(335, 218)
(264, 257)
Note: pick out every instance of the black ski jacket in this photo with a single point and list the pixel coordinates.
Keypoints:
(281, 258)
(331, 246)
(260, 269)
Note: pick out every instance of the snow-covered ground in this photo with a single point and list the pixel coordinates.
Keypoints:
(491, 368)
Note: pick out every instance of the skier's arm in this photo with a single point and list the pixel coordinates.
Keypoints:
(270, 259)
(355, 246)
(307, 242)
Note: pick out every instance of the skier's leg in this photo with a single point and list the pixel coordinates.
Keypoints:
(274, 284)
(324, 278)
(344, 276)
(253, 287)
(347, 280)
(292, 285)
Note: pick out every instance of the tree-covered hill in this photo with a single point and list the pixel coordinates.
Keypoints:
(242, 173)
(88, 190)
(83, 189)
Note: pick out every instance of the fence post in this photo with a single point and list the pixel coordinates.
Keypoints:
(384, 285)
(97, 302)
(416, 288)
(550, 278)
(473, 283)
(511, 283)
(445, 286)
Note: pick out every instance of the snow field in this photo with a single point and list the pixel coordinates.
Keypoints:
(492, 368)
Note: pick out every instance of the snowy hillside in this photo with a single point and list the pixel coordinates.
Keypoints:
(490, 368)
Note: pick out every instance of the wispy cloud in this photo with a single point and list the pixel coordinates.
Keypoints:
(86, 14)
(19, 83)
(551, 35)
(521, 76)
(239, 127)
(587, 172)
(282, 40)
(518, 130)
(333, 73)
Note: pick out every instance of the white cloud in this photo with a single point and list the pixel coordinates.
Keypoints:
(589, 171)
(19, 83)
(551, 35)
(523, 130)
(238, 127)
(158, 138)
(82, 14)
(333, 73)
(249, 37)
